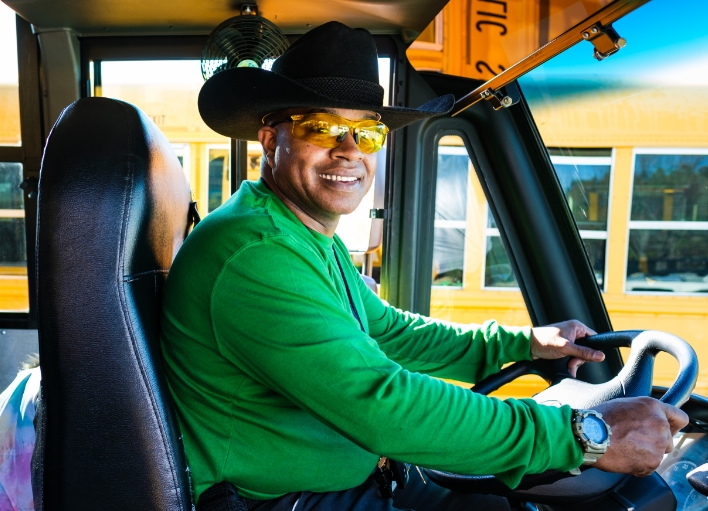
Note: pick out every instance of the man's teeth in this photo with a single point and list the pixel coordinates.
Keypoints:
(339, 178)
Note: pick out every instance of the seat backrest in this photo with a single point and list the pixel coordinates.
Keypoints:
(113, 211)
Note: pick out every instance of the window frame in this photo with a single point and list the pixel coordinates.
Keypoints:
(657, 224)
(29, 155)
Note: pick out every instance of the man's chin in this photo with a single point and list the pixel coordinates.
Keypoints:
(347, 210)
(342, 207)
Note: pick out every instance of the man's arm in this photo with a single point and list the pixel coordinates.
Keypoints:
(468, 352)
(276, 315)
(440, 348)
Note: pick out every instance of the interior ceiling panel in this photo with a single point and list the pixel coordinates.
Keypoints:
(161, 17)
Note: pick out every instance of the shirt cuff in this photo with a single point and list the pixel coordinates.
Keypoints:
(555, 448)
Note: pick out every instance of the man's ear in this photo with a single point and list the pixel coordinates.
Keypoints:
(267, 136)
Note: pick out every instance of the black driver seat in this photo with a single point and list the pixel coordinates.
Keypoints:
(113, 210)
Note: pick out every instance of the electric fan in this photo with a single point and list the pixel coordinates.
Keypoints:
(248, 40)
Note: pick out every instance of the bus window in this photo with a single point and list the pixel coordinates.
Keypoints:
(167, 91)
(219, 185)
(450, 212)
(585, 176)
(668, 227)
(656, 216)
(9, 83)
(460, 249)
(14, 292)
(13, 249)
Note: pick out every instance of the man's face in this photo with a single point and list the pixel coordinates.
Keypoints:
(322, 183)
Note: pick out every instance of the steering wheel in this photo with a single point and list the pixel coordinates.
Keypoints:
(634, 380)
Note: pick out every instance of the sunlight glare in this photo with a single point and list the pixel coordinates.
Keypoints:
(146, 72)
(8, 43)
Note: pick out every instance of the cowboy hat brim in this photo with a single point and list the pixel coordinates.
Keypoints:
(234, 102)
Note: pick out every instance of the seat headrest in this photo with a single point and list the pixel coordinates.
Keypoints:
(112, 212)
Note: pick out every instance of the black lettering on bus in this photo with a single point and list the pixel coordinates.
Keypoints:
(483, 64)
(495, 23)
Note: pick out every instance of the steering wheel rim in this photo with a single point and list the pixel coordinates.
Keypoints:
(634, 380)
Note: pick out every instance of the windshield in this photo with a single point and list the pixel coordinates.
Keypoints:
(628, 138)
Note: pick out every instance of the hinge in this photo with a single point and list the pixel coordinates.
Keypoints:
(605, 39)
(502, 98)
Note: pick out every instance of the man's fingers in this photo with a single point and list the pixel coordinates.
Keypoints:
(669, 445)
(677, 418)
(584, 331)
(573, 365)
(583, 353)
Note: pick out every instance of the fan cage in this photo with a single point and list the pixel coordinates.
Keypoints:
(247, 40)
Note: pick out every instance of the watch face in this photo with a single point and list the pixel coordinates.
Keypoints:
(595, 429)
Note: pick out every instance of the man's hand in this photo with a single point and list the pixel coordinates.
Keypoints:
(558, 341)
(642, 432)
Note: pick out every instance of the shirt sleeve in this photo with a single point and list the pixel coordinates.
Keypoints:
(459, 352)
(276, 315)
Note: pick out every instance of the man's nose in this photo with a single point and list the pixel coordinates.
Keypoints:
(348, 149)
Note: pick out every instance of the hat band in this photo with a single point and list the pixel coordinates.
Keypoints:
(346, 89)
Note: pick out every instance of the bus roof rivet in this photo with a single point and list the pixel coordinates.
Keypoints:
(586, 35)
(593, 30)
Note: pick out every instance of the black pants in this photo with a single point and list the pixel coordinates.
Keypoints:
(417, 496)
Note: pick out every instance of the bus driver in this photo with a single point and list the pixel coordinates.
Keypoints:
(291, 378)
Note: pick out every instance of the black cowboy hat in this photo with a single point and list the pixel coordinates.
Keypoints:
(332, 66)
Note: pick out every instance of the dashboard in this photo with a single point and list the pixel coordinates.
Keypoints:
(690, 451)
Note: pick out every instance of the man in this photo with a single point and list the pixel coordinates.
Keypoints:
(290, 377)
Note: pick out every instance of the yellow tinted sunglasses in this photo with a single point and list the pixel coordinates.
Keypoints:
(329, 130)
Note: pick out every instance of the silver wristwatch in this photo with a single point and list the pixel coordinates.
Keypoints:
(593, 434)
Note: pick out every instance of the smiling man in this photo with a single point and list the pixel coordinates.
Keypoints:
(295, 383)
(319, 186)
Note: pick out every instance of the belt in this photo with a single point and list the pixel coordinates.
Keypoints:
(224, 497)
(251, 504)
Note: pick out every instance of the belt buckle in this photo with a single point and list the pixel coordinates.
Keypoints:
(389, 475)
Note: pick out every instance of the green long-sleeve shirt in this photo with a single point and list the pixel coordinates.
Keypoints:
(278, 389)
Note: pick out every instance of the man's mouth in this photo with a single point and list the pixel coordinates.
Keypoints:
(345, 179)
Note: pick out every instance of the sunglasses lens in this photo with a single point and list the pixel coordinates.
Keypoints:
(329, 130)
(372, 137)
(320, 129)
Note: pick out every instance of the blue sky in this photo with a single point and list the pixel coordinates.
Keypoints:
(667, 41)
